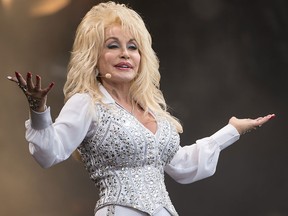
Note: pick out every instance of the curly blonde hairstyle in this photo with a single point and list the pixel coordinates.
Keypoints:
(87, 47)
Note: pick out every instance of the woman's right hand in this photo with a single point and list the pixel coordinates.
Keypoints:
(36, 96)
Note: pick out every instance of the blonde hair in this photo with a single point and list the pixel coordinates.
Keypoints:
(87, 47)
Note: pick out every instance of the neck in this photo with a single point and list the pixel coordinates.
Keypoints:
(120, 93)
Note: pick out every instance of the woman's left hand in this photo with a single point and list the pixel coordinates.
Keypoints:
(246, 125)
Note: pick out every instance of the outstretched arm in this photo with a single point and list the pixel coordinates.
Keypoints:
(197, 161)
(51, 143)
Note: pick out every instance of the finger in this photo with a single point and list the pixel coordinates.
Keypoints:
(268, 117)
(21, 82)
(260, 121)
(46, 90)
(271, 116)
(13, 79)
(259, 118)
(20, 79)
(30, 84)
(38, 83)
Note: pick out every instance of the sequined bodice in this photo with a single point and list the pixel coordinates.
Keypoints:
(126, 160)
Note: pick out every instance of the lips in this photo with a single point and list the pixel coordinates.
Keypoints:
(124, 65)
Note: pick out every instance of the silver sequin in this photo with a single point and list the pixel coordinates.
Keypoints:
(126, 160)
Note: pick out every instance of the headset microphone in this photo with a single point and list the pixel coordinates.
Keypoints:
(108, 75)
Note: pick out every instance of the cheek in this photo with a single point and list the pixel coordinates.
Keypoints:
(137, 59)
(107, 58)
(104, 60)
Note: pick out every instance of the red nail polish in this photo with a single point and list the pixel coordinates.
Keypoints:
(29, 74)
(272, 116)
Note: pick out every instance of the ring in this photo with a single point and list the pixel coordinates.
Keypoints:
(247, 131)
(24, 88)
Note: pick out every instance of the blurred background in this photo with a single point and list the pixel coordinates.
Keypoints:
(218, 58)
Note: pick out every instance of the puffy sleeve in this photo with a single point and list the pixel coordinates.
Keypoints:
(51, 143)
(197, 161)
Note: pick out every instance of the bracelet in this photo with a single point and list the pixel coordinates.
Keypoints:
(33, 103)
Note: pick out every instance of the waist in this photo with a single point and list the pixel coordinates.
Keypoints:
(124, 211)
(141, 188)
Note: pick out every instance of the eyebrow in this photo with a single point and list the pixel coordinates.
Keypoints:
(111, 38)
(115, 38)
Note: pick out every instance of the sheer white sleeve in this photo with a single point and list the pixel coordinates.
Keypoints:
(51, 143)
(197, 161)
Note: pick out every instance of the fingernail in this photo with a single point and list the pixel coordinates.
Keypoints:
(17, 73)
(29, 74)
(9, 77)
(272, 116)
(51, 84)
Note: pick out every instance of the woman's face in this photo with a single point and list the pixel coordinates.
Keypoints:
(120, 56)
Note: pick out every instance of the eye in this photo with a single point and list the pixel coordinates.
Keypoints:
(113, 45)
(132, 46)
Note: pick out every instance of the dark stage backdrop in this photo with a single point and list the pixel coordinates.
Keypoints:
(218, 58)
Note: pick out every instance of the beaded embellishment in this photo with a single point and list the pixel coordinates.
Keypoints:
(126, 160)
(111, 210)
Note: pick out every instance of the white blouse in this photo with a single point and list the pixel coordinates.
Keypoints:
(51, 143)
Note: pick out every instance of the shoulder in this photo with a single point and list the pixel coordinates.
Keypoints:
(79, 98)
(78, 102)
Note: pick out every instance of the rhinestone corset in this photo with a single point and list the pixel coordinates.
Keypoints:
(126, 160)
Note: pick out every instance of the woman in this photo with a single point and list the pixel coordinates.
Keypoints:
(115, 116)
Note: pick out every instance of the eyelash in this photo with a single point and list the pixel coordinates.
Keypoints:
(112, 46)
(133, 47)
(115, 46)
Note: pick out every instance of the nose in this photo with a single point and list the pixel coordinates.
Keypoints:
(125, 54)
